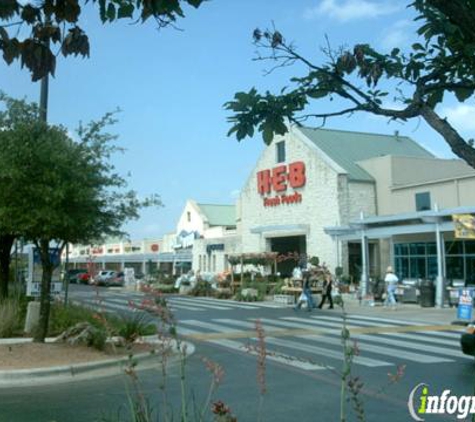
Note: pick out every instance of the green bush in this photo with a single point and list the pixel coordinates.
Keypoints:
(202, 288)
(11, 321)
(165, 288)
(134, 325)
(277, 289)
(62, 317)
(222, 294)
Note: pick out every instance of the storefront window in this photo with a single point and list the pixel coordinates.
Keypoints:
(454, 265)
(432, 267)
(417, 267)
(419, 260)
(417, 248)
(454, 247)
(470, 269)
(431, 248)
(402, 268)
(470, 247)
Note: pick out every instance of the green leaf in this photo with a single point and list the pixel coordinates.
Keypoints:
(317, 93)
(8, 8)
(102, 10)
(463, 93)
(267, 134)
(395, 52)
(126, 10)
(417, 46)
(111, 12)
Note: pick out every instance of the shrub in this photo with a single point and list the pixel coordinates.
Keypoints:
(277, 289)
(165, 288)
(10, 318)
(202, 288)
(135, 325)
(223, 294)
(62, 317)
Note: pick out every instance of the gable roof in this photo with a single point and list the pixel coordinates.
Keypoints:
(219, 215)
(346, 148)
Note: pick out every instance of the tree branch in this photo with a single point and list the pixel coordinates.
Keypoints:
(450, 135)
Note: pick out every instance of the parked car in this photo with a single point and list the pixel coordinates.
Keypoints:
(84, 278)
(75, 275)
(118, 280)
(467, 340)
(103, 278)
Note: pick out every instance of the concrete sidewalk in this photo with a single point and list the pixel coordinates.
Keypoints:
(405, 311)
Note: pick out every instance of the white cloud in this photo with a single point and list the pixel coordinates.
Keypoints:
(347, 10)
(461, 116)
(397, 35)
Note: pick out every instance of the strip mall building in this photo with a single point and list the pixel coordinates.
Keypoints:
(361, 201)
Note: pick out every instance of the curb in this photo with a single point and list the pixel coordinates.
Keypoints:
(82, 371)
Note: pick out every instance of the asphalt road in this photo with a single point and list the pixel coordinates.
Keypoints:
(301, 373)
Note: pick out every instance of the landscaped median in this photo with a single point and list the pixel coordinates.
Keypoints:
(25, 363)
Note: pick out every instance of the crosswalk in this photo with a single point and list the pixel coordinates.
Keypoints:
(120, 301)
(310, 342)
(294, 338)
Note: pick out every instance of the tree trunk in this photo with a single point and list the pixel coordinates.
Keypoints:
(450, 135)
(47, 267)
(6, 243)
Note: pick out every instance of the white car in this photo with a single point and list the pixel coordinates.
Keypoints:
(104, 277)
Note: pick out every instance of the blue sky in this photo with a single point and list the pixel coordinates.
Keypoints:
(171, 86)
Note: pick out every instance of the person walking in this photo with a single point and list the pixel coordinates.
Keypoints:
(327, 291)
(391, 281)
(306, 295)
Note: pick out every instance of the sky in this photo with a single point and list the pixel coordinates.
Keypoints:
(171, 84)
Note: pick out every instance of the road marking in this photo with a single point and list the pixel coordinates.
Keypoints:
(271, 355)
(416, 357)
(311, 349)
(196, 302)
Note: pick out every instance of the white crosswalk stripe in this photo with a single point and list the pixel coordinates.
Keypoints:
(271, 355)
(379, 338)
(356, 319)
(307, 348)
(402, 347)
(364, 346)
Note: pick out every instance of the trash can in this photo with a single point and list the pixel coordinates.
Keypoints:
(427, 294)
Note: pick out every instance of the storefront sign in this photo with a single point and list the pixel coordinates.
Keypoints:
(278, 180)
(280, 177)
(283, 199)
(465, 305)
(464, 226)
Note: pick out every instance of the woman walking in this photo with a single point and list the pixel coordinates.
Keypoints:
(327, 291)
(306, 295)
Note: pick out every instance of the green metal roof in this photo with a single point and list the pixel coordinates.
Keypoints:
(346, 148)
(219, 215)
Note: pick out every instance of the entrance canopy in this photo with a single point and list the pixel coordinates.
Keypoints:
(379, 227)
(391, 225)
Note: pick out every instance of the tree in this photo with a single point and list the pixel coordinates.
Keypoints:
(56, 22)
(54, 190)
(16, 117)
(444, 63)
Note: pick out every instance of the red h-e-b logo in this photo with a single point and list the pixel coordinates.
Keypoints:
(277, 178)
